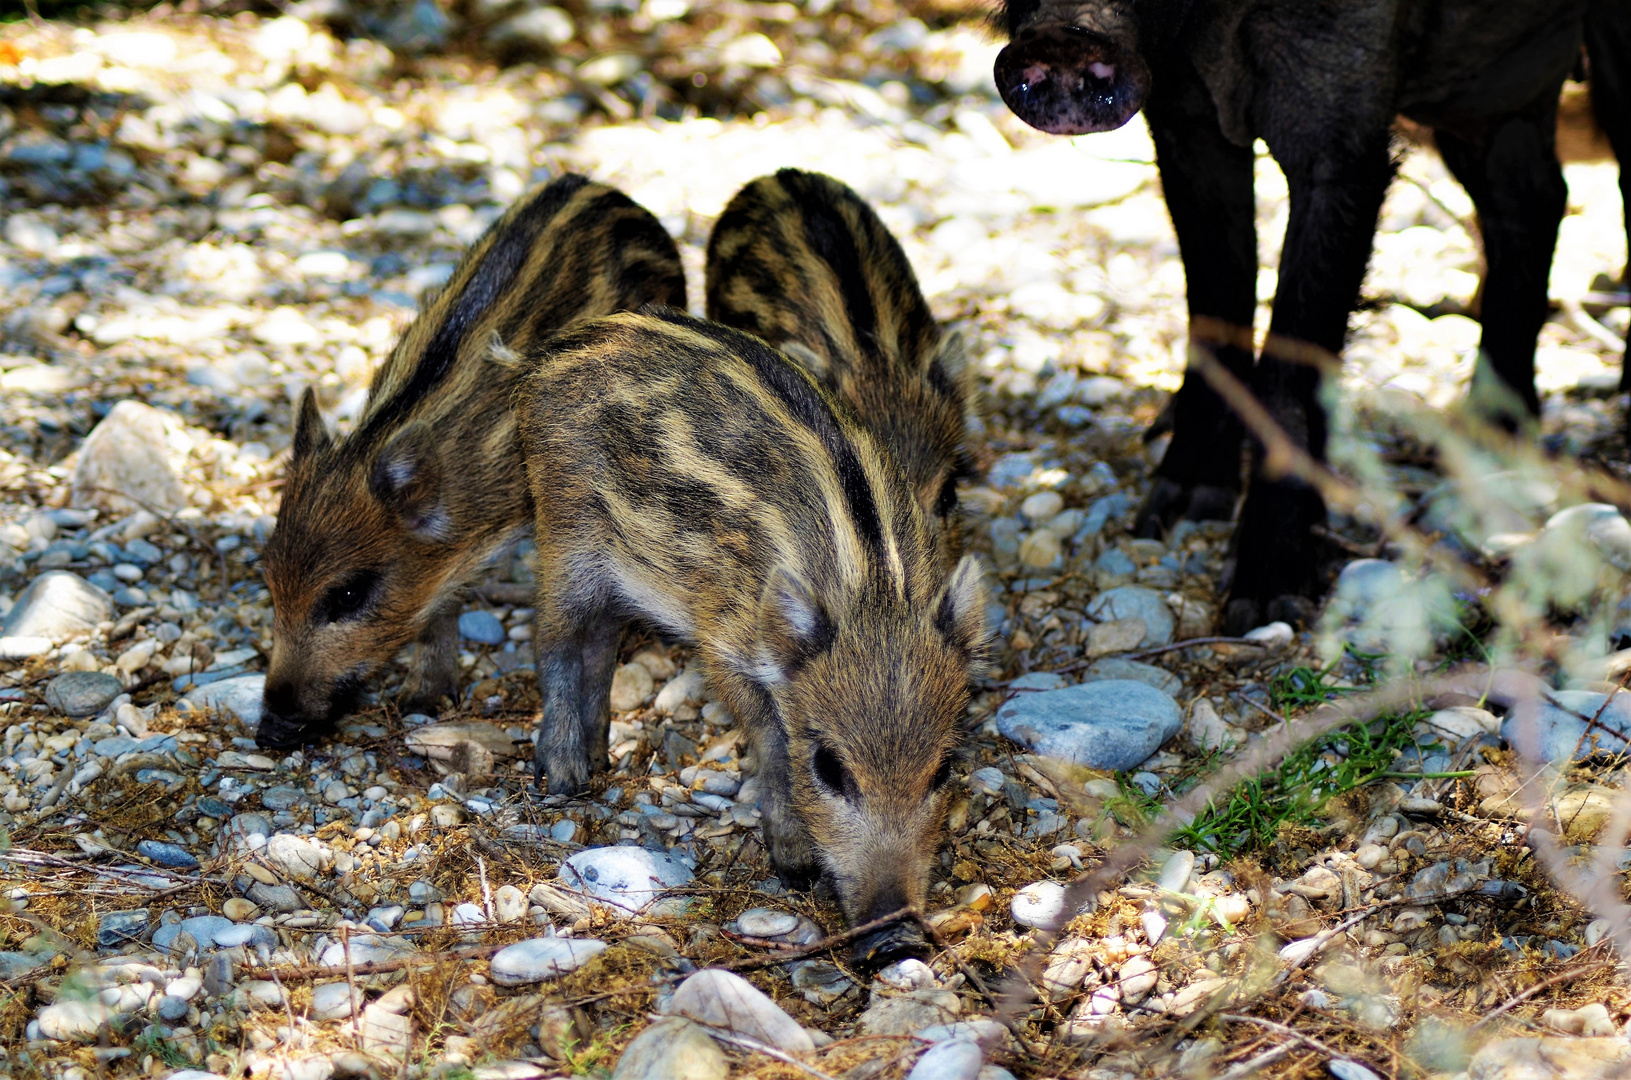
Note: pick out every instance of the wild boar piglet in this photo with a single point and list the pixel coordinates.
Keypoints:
(802, 261)
(380, 531)
(688, 477)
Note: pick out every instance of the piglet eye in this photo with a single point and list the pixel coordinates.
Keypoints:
(350, 598)
(831, 773)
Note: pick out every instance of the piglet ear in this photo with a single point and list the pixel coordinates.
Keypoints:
(310, 434)
(794, 628)
(959, 610)
(407, 477)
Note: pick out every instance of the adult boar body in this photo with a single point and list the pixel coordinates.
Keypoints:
(1320, 83)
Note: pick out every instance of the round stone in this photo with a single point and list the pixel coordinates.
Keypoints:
(629, 880)
(333, 1001)
(238, 909)
(171, 1009)
(1041, 507)
(1136, 602)
(82, 693)
(766, 922)
(482, 627)
(632, 687)
(1039, 904)
(955, 1059)
(537, 959)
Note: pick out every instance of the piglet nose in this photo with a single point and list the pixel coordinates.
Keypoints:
(888, 945)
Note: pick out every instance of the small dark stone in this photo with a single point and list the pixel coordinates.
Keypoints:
(166, 854)
(117, 927)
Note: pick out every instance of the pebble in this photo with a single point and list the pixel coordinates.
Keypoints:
(57, 605)
(766, 922)
(482, 627)
(726, 1000)
(167, 854)
(1557, 732)
(294, 856)
(82, 693)
(1136, 977)
(628, 880)
(509, 904)
(686, 688)
(171, 1009)
(334, 1001)
(116, 927)
(1598, 524)
(955, 1059)
(240, 696)
(1207, 731)
(672, 1048)
(909, 1013)
(202, 928)
(282, 797)
(1136, 602)
(129, 461)
(537, 959)
(1039, 905)
(563, 831)
(1114, 725)
(632, 687)
(73, 1020)
(1118, 667)
(1175, 872)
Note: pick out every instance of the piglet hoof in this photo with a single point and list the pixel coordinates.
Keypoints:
(563, 776)
(427, 701)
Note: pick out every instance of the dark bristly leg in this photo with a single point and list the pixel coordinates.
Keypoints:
(1208, 185)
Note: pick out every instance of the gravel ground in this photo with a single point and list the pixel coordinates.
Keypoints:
(204, 216)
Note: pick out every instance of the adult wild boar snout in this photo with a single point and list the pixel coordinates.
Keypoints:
(1067, 80)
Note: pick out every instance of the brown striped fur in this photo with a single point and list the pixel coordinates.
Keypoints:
(690, 478)
(380, 531)
(802, 261)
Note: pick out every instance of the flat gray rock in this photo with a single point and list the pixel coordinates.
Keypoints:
(172, 855)
(1136, 602)
(672, 1049)
(57, 605)
(1114, 667)
(1561, 732)
(203, 929)
(117, 927)
(537, 959)
(1114, 724)
(82, 693)
(629, 880)
(239, 695)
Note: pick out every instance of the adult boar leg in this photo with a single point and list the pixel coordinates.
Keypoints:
(1336, 194)
(1208, 185)
(1510, 169)
(434, 673)
(1608, 49)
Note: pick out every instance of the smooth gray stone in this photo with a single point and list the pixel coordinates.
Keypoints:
(57, 605)
(1115, 724)
(538, 959)
(1114, 667)
(282, 797)
(955, 1059)
(672, 1049)
(1561, 733)
(82, 693)
(482, 627)
(279, 898)
(171, 1009)
(1136, 602)
(240, 695)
